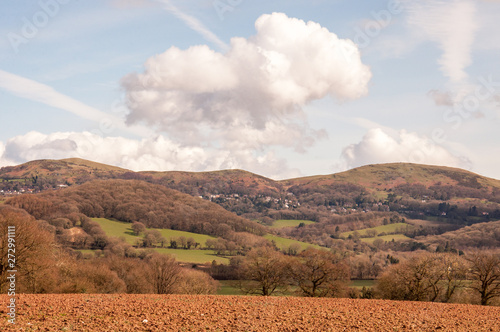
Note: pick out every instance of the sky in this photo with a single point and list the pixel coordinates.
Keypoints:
(283, 88)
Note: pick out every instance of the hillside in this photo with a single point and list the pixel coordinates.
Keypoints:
(373, 216)
(129, 201)
(369, 179)
(414, 180)
(390, 176)
(483, 235)
(41, 175)
(449, 198)
(218, 182)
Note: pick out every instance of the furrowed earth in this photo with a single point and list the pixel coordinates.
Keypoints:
(95, 312)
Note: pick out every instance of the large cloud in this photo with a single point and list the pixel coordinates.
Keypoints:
(253, 94)
(3, 161)
(157, 153)
(378, 147)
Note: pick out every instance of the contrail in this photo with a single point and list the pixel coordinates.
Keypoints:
(32, 90)
(194, 24)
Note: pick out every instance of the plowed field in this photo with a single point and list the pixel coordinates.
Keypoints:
(239, 313)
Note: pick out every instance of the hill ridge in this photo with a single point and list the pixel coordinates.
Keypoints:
(394, 166)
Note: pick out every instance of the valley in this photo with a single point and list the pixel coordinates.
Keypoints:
(225, 225)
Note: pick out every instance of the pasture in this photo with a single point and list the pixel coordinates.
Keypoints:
(123, 229)
(388, 229)
(284, 243)
(277, 224)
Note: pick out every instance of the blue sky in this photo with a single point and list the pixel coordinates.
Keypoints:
(279, 88)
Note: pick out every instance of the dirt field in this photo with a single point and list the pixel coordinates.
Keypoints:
(239, 313)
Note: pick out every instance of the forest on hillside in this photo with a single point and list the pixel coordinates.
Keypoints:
(359, 232)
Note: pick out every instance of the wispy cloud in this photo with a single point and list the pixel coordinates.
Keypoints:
(451, 24)
(195, 24)
(35, 91)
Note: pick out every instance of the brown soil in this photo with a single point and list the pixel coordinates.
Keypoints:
(239, 313)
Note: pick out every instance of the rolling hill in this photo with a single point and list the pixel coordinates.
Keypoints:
(47, 174)
(136, 201)
(371, 178)
(365, 197)
(389, 176)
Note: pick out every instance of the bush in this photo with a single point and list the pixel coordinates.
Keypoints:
(195, 282)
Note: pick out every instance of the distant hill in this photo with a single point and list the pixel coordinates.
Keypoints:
(217, 182)
(379, 177)
(383, 177)
(436, 199)
(45, 174)
(443, 195)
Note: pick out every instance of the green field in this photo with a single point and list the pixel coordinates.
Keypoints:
(87, 251)
(194, 256)
(229, 287)
(289, 223)
(123, 229)
(117, 229)
(390, 228)
(284, 243)
(362, 283)
(386, 238)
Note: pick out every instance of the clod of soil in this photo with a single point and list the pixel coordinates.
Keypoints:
(94, 312)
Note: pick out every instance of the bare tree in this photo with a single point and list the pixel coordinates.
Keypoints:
(163, 273)
(34, 247)
(138, 228)
(455, 274)
(195, 282)
(404, 281)
(320, 273)
(485, 272)
(266, 269)
(424, 277)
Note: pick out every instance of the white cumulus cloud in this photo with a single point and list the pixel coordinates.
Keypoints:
(156, 153)
(378, 147)
(257, 88)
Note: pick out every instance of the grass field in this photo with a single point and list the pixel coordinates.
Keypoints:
(386, 238)
(390, 228)
(362, 283)
(229, 287)
(87, 251)
(123, 229)
(193, 256)
(284, 243)
(289, 223)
